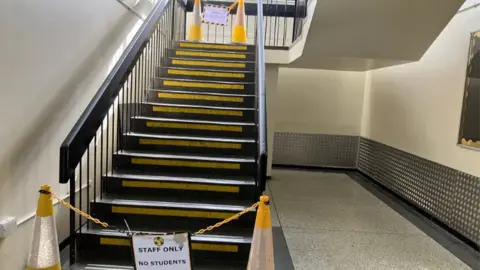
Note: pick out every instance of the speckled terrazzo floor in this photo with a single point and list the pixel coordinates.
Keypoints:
(332, 222)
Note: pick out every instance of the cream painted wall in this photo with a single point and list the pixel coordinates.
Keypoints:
(54, 55)
(271, 83)
(417, 107)
(319, 101)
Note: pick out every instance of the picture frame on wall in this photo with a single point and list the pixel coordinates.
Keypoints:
(469, 134)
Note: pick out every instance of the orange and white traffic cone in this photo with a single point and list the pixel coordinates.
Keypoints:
(44, 253)
(239, 34)
(261, 252)
(195, 33)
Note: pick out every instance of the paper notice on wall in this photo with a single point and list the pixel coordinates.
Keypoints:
(215, 14)
(161, 252)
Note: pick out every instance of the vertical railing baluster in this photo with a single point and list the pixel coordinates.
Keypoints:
(101, 161)
(270, 23)
(73, 230)
(80, 194)
(275, 28)
(157, 53)
(145, 75)
(266, 25)
(129, 101)
(107, 164)
(157, 48)
(231, 27)
(153, 56)
(208, 32)
(247, 27)
(137, 84)
(114, 131)
(164, 43)
(95, 168)
(255, 31)
(88, 184)
(285, 23)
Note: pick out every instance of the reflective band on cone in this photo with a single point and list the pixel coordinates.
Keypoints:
(44, 253)
(261, 251)
(239, 30)
(195, 33)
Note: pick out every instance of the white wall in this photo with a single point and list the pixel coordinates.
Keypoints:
(319, 101)
(271, 83)
(417, 107)
(54, 55)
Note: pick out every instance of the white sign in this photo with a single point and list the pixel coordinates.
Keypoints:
(155, 252)
(215, 14)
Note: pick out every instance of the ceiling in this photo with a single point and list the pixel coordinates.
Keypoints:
(368, 34)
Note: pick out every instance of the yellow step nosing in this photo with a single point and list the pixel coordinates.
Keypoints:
(201, 97)
(208, 63)
(190, 143)
(173, 109)
(213, 46)
(181, 186)
(210, 54)
(185, 163)
(171, 212)
(204, 73)
(214, 85)
(177, 125)
(116, 241)
(215, 247)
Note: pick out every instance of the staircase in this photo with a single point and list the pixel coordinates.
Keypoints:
(189, 161)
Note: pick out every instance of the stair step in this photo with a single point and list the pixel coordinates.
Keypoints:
(211, 54)
(214, 46)
(114, 265)
(204, 85)
(210, 63)
(146, 215)
(200, 112)
(170, 163)
(190, 144)
(115, 248)
(204, 73)
(180, 187)
(194, 127)
(200, 98)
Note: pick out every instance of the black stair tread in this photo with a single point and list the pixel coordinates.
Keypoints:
(212, 51)
(211, 60)
(192, 138)
(199, 93)
(210, 69)
(201, 80)
(193, 121)
(171, 204)
(240, 237)
(142, 154)
(245, 181)
(199, 106)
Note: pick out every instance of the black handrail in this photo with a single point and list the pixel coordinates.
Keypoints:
(79, 138)
(109, 115)
(261, 103)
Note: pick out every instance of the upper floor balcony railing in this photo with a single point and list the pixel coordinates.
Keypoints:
(282, 22)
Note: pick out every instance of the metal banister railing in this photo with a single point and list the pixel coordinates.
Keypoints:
(86, 153)
(282, 22)
(261, 101)
(77, 141)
